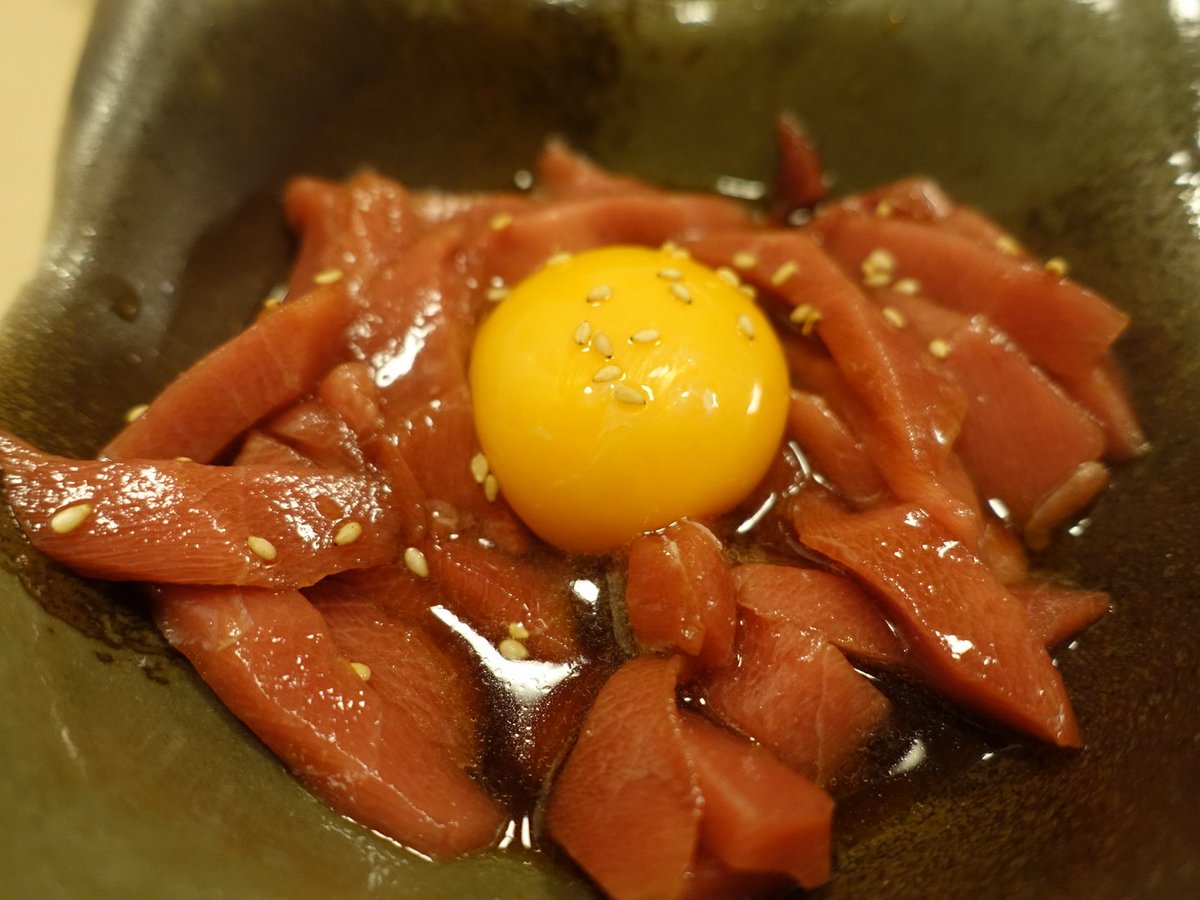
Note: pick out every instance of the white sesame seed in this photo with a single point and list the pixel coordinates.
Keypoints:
(878, 268)
(745, 325)
(583, 331)
(645, 336)
(784, 272)
(416, 561)
(894, 317)
(629, 395)
(1008, 245)
(907, 286)
(939, 348)
(362, 670)
(800, 313)
(67, 520)
(479, 467)
(744, 260)
(510, 648)
(261, 547)
(748, 290)
(884, 209)
(1057, 266)
(329, 276)
(603, 344)
(491, 488)
(517, 631)
(500, 221)
(348, 534)
(272, 303)
(728, 276)
(184, 459)
(680, 292)
(496, 294)
(135, 412)
(599, 293)
(673, 249)
(606, 374)
(558, 259)
(670, 274)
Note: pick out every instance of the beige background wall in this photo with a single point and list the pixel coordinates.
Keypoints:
(40, 42)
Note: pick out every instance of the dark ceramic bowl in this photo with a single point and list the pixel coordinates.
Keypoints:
(1075, 123)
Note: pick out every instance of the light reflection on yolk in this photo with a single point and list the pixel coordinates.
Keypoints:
(622, 389)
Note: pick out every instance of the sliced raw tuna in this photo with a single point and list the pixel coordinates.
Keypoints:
(436, 688)
(1058, 612)
(829, 604)
(832, 448)
(269, 656)
(913, 411)
(1022, 437)
(1063, 327)
(188, 523)
(534, 236)
(348, 230)
(319, 434)
(626, 805)
(759, 815)
(796, 694)
(800, 182)
(491, 590)
(679, 594)
(563, 174)
(276, 361)
(966, 633)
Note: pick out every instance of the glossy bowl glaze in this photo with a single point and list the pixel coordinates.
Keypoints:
(1075, 123)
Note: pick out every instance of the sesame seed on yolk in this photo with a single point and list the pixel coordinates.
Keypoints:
(678, 412)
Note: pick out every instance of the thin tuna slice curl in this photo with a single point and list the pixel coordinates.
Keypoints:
(187, 523)
(650, 797)
(966, 633)
(274, 362)
(270, 658)
(679, 594)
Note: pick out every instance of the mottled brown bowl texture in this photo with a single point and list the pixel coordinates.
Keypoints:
(1074, 123)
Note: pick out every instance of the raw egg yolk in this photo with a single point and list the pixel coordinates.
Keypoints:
(621, 389)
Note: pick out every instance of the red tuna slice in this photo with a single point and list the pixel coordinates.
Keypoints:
(965, 632)
(187, 523)
(832, 448)
(354, 228)
(759, 815)
(415, 332)
(626, 805)
(1102, 392)
(795, 694)
(274, 362)
(823, 602)
(517, 250)
(259, 449)
(921, 199)
(679, 593)
(313, 430)
(711, 879)
(438, 442)
(563, 174)
(913, 411)
(800, 182)
(1063, 327)
(1022, 437)
(349, 391)
(437, 689)
(491, 590)
(270, 658)
(1057, 612)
